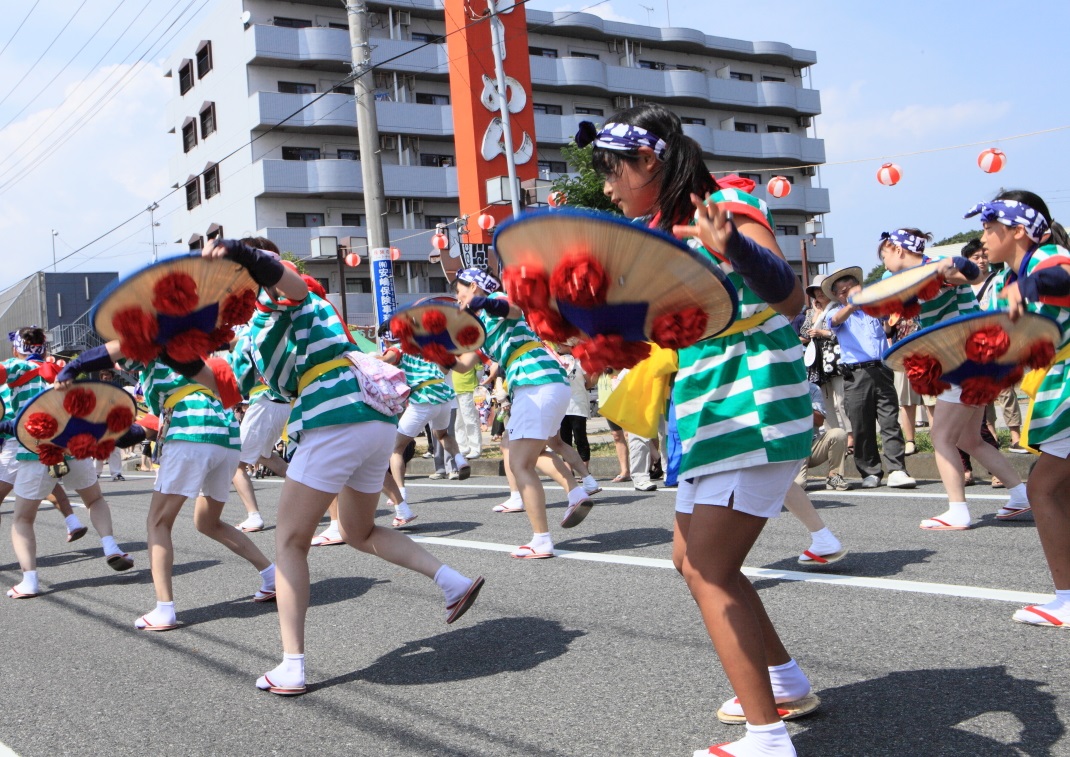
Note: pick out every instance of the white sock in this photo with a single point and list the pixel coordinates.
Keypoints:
(452, 583)
(333, 528)
(514, 500)
(590, 482)
(577, 495)
(29, 583)
(110, 547)
(761, 741)
(957, 514)
(253, 518)
(1019, 498)
(823, 542)
(789, 682)
(460, 461)
(404, 494)
(541, 542)
(289, 673)
(402, 510)
(163, 615)
(267, 578)
(72, 522)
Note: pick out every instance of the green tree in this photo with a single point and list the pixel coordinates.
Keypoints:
(961, 238)
(299, 262)
(876, 274)
(584, 190)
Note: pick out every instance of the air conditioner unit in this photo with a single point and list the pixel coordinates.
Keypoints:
(393, 206)
(615, 46)
(403, 17)
(416, 206)
(410, 82)
(804, 121)
(388, 142)
(382, 81)
(621, 102)
(411, 143)
(809, 170)
(728, 124)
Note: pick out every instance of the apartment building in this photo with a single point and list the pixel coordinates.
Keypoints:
(264, 79)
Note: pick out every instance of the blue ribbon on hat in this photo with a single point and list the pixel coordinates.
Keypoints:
(480, 278)
(905, 239)
(620, 137)
(1012, 213)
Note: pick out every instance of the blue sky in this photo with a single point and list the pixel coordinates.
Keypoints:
(895, 78)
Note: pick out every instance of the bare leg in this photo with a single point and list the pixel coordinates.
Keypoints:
(207, 515)
(397, 459)
(99, 511)
(244, 487)
(569, 454)
(1051, 510)
(163, 510)
(23, 539)
(970, 441)
(799, 505)
(275, 464)
(60, 500)
(620, 445)
(523, 457)
(549, 464)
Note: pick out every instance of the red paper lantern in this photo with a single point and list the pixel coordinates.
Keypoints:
(352, 260)
(555, 199)
(778, 187)
(889, 174)
(486, 221)
(395, 253)
(440, 241)
(992, 160)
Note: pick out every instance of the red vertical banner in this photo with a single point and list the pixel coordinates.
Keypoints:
(477, 121)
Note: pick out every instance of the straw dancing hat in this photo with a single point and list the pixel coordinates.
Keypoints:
(900, 292)
(983, 353)
(826, 283)
(187, 305)
(586, 276)
(82, 421)
(436, 327)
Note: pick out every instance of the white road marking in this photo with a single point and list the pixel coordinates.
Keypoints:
(862, 582)
(6, 751)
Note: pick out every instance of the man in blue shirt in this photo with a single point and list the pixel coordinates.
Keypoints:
(869, 396)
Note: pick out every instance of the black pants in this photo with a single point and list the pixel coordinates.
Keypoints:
(870, 400)
(574, 428)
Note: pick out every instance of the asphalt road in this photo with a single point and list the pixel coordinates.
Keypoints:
(600, 655)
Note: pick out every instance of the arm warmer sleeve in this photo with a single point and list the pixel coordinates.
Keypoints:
(7, 428)
(1051, 282)
(496, 306)
(189, 370)
(966, 267)
(768, 276)
(134, 435)
(263, 267)
(93, 359)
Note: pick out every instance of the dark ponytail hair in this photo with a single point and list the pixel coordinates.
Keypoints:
(1058, 233)
(261, 243)
(32, 335)
(683, 171)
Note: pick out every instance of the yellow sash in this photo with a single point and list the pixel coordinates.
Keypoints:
(258, 389)
(314, 373)
(1031, 385)
(639, 400)
(747, 323)
(180, 394)
(522, 349)
(429, 382)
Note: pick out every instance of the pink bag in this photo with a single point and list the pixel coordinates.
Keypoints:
(383, 386)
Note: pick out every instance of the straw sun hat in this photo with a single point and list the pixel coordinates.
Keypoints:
(82, 421)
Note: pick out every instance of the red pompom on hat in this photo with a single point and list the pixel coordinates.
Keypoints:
(1040, 354)
(987, 344)
(433, 321)
(980, 390)
(466, 336)
(190, 345)
(237, 309)
(175, 294)
(580, 280)
(41, 425)
(104, 449)
(675, 331)
(79, 402)
(82, 446)
(49, 454)
(527, 286)
(119, 419)
(924, 373)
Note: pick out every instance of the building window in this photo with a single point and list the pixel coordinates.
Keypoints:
(193, 194)
(581, 54)
(352, 219)
(215, 231)
(431, 222)
(211, 182)
(653, 65)
(325, 283)
(189, 135)
(546, 109)
(204, 59)
(343, 89)
(787, 230)
(737, 76)
(427, 98)
(437, 285)
(774, 129)
(438, 161)
(686, 67)
(542, 52)
(185, 77)
(552, 166)
(755, 177)
(772, 78)
(296, 88)
(355, 285)
(207, 120)
(293, 23)
(429, 39)
(582, 110)
(693, 121)
(300, 153)
(349, 154)
(745, 127)
(303, 220)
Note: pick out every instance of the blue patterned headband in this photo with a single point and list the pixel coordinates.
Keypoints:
(905, 239)
(1012, 213)
(620, 137)
(23, 347)
(480, 278)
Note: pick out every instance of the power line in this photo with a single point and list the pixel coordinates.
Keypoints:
(43, 54)
(16, 33)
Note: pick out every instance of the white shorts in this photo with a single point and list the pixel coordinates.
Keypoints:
(33, 482)
(1058, 448)
(537, 411)
(9, 467)
(196, 468)
(419, 414)
(952, 395)
(261, 429)
(758, 490)
(356, 455)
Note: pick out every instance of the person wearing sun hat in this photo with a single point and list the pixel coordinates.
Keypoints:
(868, 385)
(825, 369)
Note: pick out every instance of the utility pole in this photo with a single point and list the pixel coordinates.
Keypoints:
(152, 228)
(54, 235)
(496, 45)
(371, 165)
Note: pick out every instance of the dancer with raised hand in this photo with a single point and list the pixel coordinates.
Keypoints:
(956, 425)
(343, 449)
(1019, 231)
(745, 424)
(27, 374)
(198, 451)
(540, 396)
